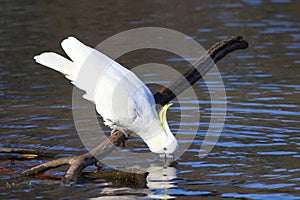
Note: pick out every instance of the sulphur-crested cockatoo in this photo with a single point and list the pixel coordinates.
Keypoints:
(121, 98)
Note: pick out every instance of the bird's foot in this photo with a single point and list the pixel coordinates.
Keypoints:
(125, 134)
(124, 131)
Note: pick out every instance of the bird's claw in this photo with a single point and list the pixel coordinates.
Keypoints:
(123, 131)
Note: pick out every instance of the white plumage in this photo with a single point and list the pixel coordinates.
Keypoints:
(121, 98)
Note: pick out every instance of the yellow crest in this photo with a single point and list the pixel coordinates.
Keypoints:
(163, 117)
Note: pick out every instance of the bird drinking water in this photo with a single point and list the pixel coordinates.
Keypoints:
(121, 98)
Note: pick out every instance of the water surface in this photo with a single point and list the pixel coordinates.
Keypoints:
(257, 155)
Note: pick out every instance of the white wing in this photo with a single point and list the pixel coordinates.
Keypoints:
(120, 96)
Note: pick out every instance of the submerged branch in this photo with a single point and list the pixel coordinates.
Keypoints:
(26, 151)
(166, 94)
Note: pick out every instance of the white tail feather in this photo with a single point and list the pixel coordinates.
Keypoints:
(77, 51)
(80, 55)
(58, 63)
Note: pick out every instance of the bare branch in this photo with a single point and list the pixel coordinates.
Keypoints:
(202, 66)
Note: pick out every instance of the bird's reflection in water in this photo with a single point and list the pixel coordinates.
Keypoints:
(160, 180)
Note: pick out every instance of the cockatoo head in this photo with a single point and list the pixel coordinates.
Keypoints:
(164, 141)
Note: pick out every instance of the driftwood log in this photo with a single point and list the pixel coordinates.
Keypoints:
(165, 95)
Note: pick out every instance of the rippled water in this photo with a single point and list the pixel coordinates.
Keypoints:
(257, 155)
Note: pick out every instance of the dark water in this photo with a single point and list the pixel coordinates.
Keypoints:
(257, 155)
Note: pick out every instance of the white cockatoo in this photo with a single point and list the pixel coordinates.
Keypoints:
(121, 98)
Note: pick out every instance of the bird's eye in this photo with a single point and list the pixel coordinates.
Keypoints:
(165, 149)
